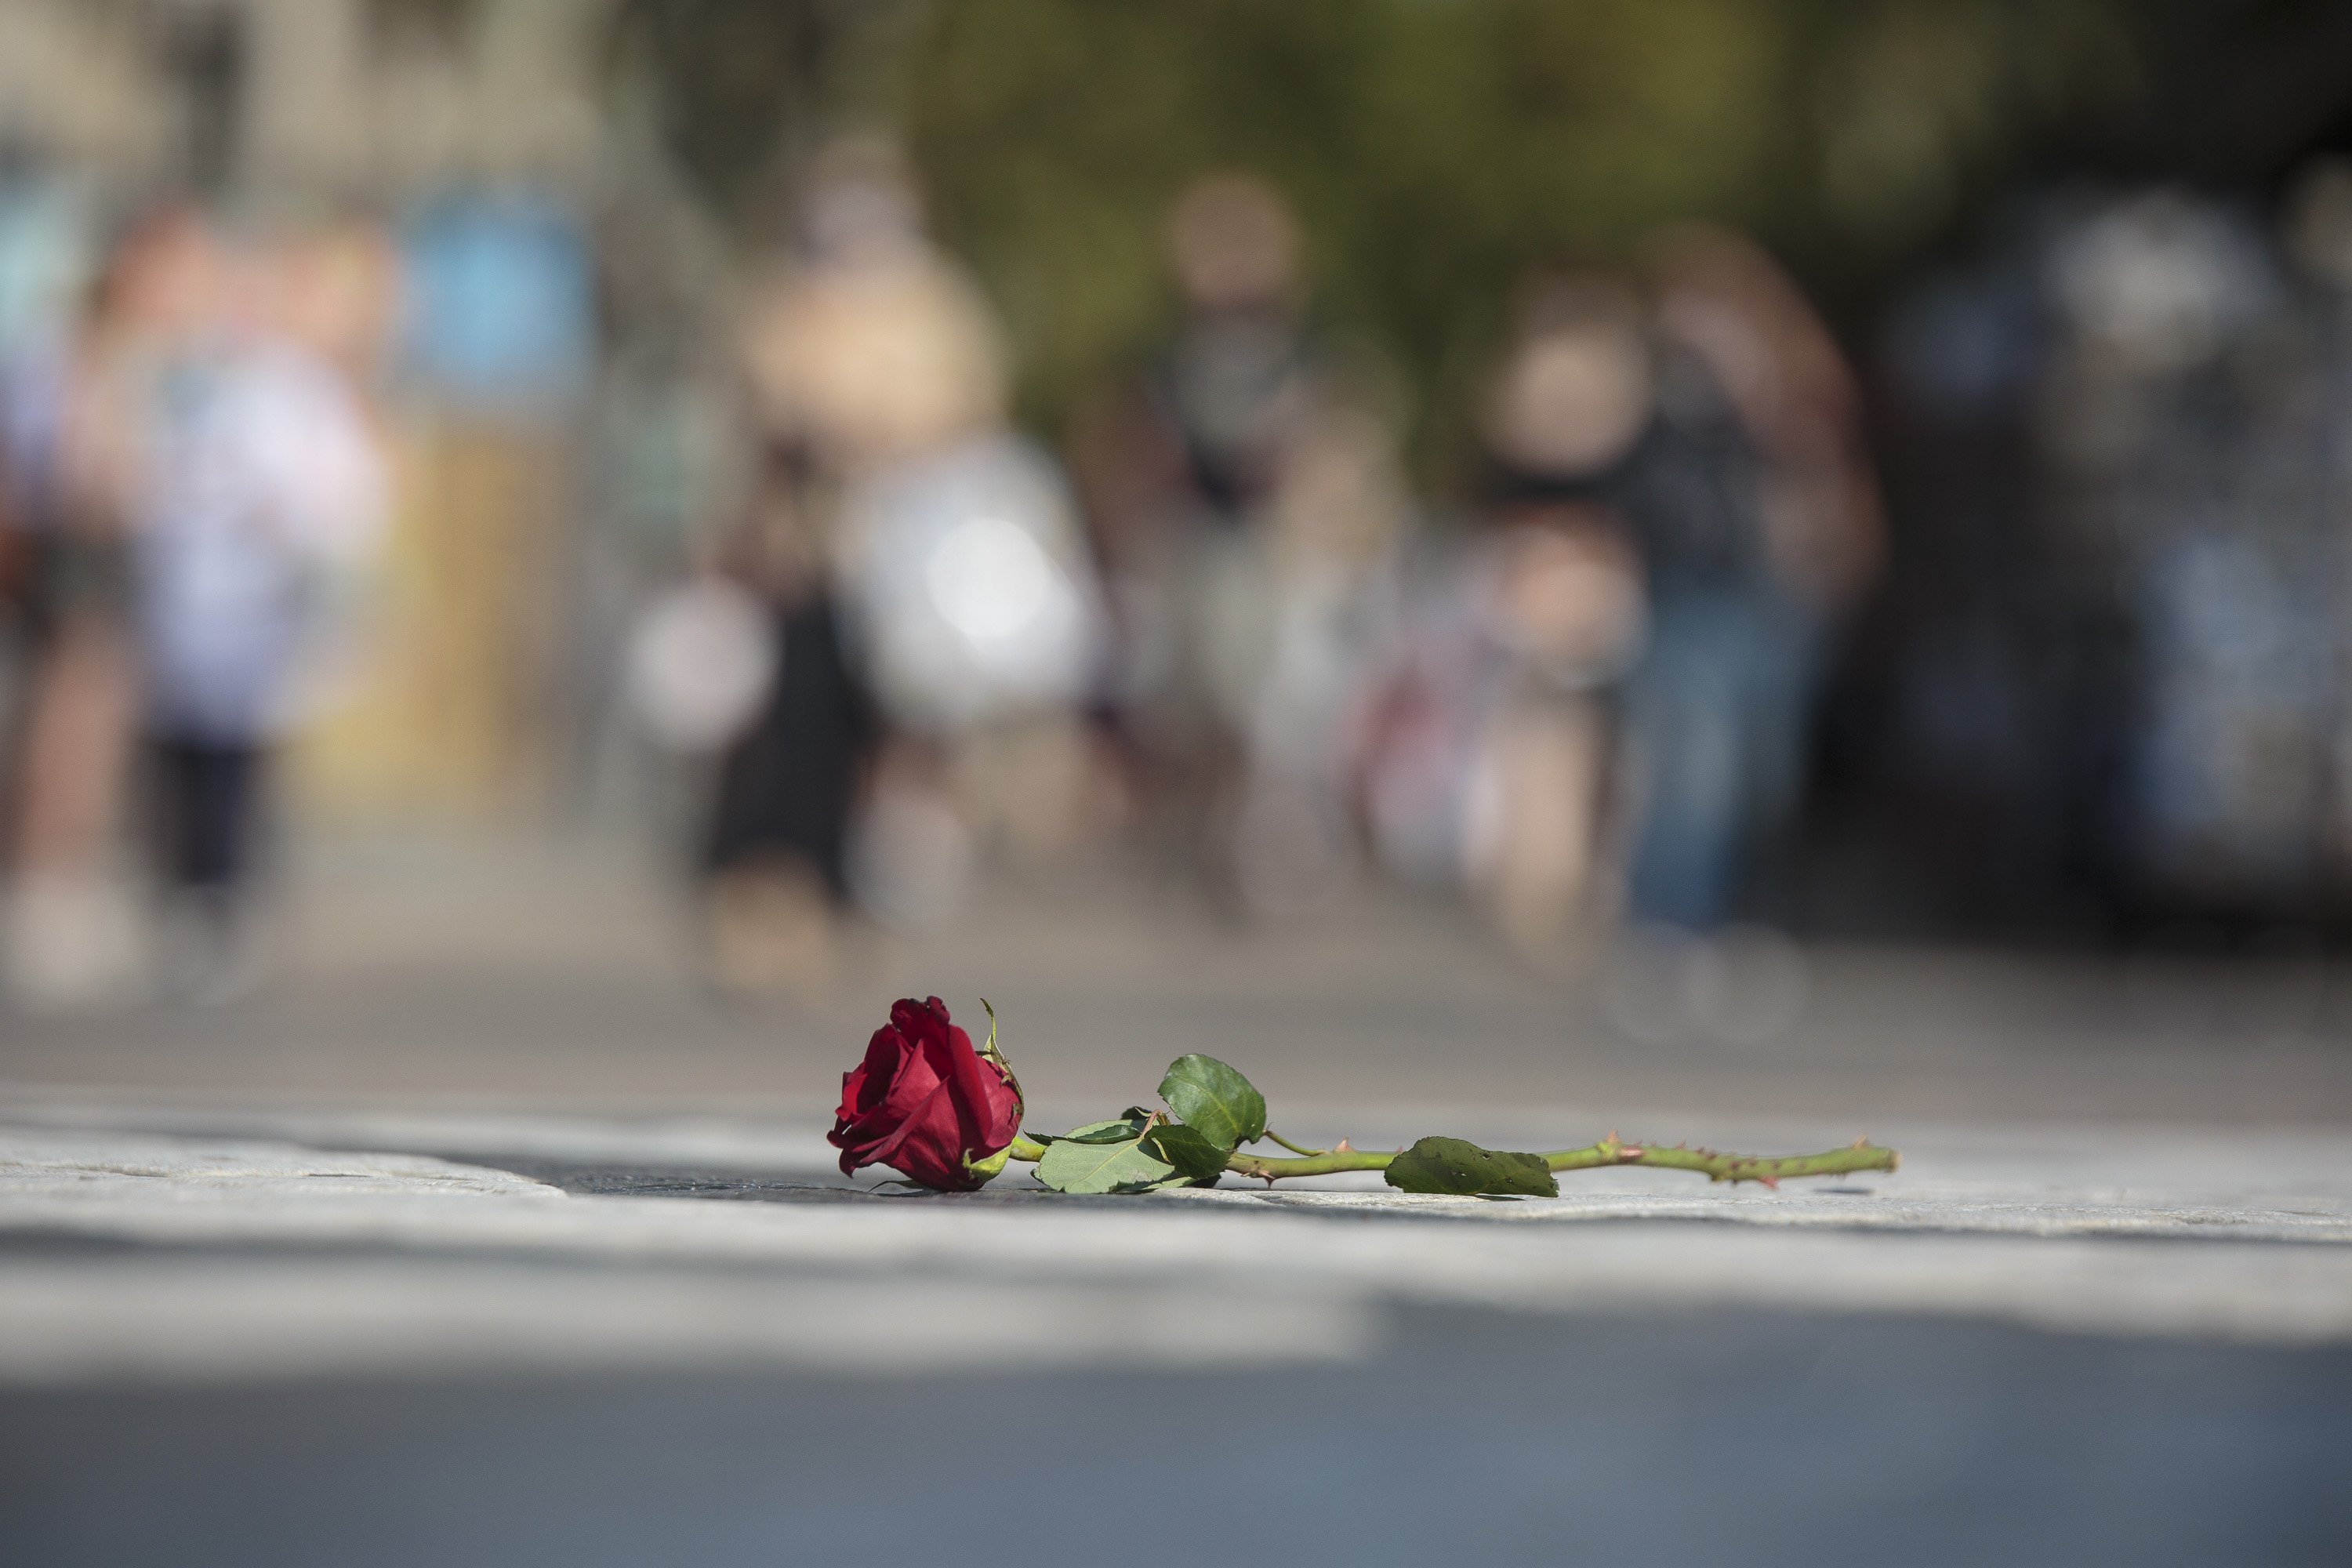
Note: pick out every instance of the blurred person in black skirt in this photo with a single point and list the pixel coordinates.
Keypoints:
(775, 852)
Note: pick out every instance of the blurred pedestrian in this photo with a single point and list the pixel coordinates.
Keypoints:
(79, 413)
(1245, 502)
(774, 854)
(2318, 241)
(1494, 743)
(1293, 619)
(262, 488)
(1756, 515)
(2185, 446)
(1487, 753)
(967, 599)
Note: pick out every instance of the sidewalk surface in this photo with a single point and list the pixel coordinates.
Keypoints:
(469, 1247)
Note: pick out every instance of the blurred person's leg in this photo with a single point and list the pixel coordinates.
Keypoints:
(1782, 666)
(1688, 736)
(1227, 603)
(216, 849)
(1294, 850)
(70, 937)
(770, 927)
(204, 821)
(1036, 789)
(1535, 821)
(775, 852)
(77, 749)
(911, 851)
(1719, 713)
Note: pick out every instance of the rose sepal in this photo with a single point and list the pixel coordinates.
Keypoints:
(994, 1054)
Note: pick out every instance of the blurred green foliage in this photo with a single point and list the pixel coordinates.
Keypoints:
(744, 83)
(1438, 150)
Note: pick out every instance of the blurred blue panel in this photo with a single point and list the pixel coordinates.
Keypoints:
(44, 258)
(500, 309)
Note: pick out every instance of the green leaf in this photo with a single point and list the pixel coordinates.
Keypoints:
(1451, 1165)
(1212, 1097)
(1124, 1167)
(1188, 1149)
(1120, 1132)
(1123, 1131)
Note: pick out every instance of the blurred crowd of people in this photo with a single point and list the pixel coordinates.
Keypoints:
(190, 477)
(893, 646)
(1219, 632)
(2124, 684)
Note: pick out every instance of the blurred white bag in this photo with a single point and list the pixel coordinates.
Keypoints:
(970, 587)
(701, 660)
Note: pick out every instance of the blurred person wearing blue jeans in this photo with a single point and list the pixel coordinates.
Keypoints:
(1716, 717)
(1717, 420)
(1760, 523)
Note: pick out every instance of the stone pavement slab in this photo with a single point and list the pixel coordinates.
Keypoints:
(77, 1165)
(147, 1254)
(254, 1333)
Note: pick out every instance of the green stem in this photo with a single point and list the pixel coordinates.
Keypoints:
(1294, 1147)
(1769, 1169)
(1272, 1167)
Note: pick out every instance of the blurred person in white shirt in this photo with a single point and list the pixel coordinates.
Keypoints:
(264, 489)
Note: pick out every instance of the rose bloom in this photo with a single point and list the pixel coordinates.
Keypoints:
(924, 1102)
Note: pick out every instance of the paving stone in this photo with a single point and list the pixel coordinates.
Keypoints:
(145, 1254)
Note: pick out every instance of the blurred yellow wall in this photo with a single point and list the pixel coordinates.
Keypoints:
(447, 713)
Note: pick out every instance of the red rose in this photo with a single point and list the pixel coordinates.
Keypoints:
(924, 1102)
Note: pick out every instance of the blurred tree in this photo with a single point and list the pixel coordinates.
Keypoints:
(1439, 149)
(740, 86)
(442, 21)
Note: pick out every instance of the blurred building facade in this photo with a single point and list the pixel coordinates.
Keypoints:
(476, 131)
(316, 99)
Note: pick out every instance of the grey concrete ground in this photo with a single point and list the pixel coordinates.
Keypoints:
(486, 1238)
(254, 1351)
(544, 970)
